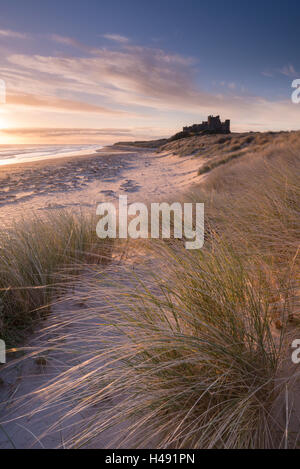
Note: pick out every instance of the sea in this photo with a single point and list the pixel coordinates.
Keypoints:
(11, 154)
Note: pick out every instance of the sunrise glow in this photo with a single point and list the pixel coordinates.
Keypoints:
(102, 77)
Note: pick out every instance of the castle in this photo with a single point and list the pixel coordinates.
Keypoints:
(213, 124)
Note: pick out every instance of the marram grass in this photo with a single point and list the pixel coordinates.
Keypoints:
(186, 359)
(33, 254)
(193, 351)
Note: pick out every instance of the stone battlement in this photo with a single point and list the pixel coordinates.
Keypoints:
(213, 124)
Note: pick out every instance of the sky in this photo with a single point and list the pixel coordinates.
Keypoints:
(94, 71)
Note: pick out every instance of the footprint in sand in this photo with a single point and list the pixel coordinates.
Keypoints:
(109, 193)
(51, 206)
(130, 186)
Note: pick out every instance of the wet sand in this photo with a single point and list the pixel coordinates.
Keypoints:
(85, 180)
(144, 176)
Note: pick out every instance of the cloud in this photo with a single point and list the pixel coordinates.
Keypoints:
(132, 76)
(101, 136)
(72, 42)
(12, 34)
(116, 38)
(267, 74)
(289, 71)
(68, 41)
(61, 132)
(145, 80)
(58, 104)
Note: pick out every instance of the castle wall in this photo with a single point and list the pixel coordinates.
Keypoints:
(213, 124)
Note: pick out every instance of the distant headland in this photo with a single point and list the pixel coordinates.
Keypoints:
(213, 126)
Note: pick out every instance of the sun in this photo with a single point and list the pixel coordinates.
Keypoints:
(3, 123)
(5, 120)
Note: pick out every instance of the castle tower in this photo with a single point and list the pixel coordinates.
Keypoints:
(226, 127)
(213, 125)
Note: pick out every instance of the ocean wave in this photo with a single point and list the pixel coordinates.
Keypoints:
(22, 153)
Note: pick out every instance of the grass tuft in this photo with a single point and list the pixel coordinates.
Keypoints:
(32, 256)
(193, 349)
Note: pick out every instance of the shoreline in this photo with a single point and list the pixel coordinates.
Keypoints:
(29, 153)
(108, 150)
(73, 182)
(9, 167)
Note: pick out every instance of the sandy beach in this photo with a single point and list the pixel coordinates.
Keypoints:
(150, 228)
(85, 180)
(79, 319)
(76, 183)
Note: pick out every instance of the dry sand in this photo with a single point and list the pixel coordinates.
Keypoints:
(84, 181)
(74, 183)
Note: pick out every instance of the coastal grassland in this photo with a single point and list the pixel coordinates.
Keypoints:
(206, 168)
(33, 255)
(218, 150)
(216, 145)
(254, 201)
(197, 346)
